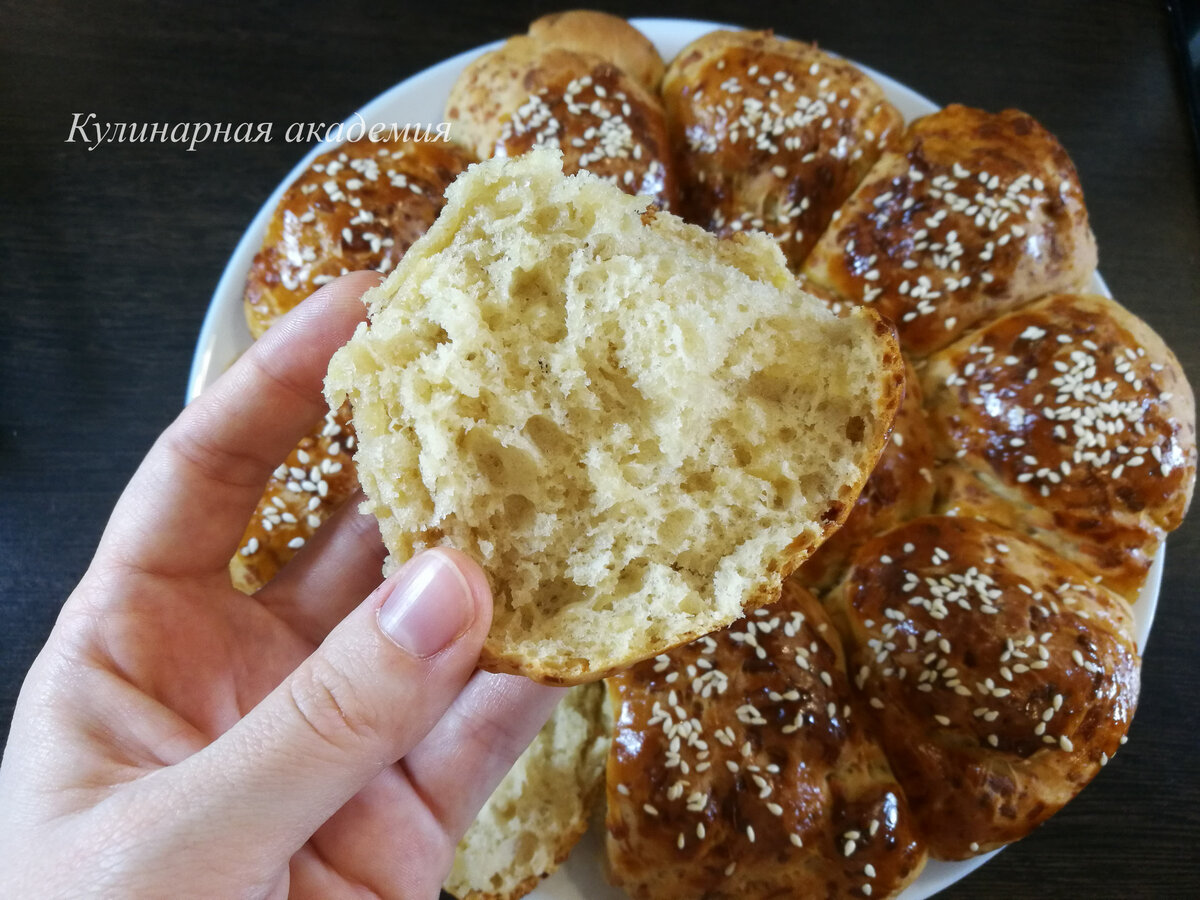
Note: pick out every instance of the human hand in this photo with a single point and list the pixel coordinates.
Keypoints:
(178, 738)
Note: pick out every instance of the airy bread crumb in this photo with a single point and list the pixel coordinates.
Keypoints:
(636, 428)
(541, 808)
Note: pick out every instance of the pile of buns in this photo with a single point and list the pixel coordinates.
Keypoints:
(958, 659)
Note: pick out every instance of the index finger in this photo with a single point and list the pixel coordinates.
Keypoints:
(186, 506)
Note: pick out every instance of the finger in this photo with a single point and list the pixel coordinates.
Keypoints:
(450, 775)
(365, 697)
(387, 813)
(330, 575)
(489, 725)
(184, 510)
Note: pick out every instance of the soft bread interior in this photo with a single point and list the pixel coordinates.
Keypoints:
(637, 429)
(541, 808)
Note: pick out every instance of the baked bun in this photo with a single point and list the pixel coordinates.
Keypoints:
(637, 429)
(605, 35)
(901, 487)
(357, 207)
(560, 89)
(315, 480)
(1071, 420)
(541, 808)
(772, 135)
(999, 677)
(972, 214)
(739, 769)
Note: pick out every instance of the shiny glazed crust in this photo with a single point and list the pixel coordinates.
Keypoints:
(771, 134)
(998, 676)
(306, 489)
(899, 488)
(1072, 420)
(357, 207)
(739, 769)
(531, 94)
(971, 215)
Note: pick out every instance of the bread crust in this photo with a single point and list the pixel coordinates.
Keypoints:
(999, 677)
(359, 206)
(1071, 420)
(771, 134)
(314, 481)
(969, 216)
(738, 769)
(899, 488)
(534, 93)
(604, 35)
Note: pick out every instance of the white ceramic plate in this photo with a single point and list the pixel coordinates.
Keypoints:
(420, 100)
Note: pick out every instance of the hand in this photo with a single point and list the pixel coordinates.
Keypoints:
(177, 738)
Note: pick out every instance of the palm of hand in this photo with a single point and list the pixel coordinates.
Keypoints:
(160, 665)
(160, 672)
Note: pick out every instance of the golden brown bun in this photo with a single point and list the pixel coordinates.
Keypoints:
(999, 677)
(601, 34)
(1069, 419)
(315, 479)
(972, 214)
(739, 770)
(771, 135)
(901, 487)
(638, 429)
(357, 207)
(532, 93)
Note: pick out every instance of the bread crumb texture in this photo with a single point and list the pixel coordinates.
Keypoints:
(636, 428)
(541, 808)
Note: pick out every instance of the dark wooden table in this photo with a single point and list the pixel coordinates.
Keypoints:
(110, 256)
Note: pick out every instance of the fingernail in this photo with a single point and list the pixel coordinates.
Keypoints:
(430, 605)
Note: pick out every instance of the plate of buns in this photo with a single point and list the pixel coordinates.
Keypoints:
(792, 422)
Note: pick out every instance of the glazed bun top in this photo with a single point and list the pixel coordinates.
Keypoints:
(565, 86)
(740, 769)
(1079, 417)
(999, 677)
(359, 206)
(772, 135)
(971, 214)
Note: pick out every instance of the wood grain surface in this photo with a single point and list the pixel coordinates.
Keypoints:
(109, 258)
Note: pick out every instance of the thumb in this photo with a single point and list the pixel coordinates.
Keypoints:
(377, 684)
